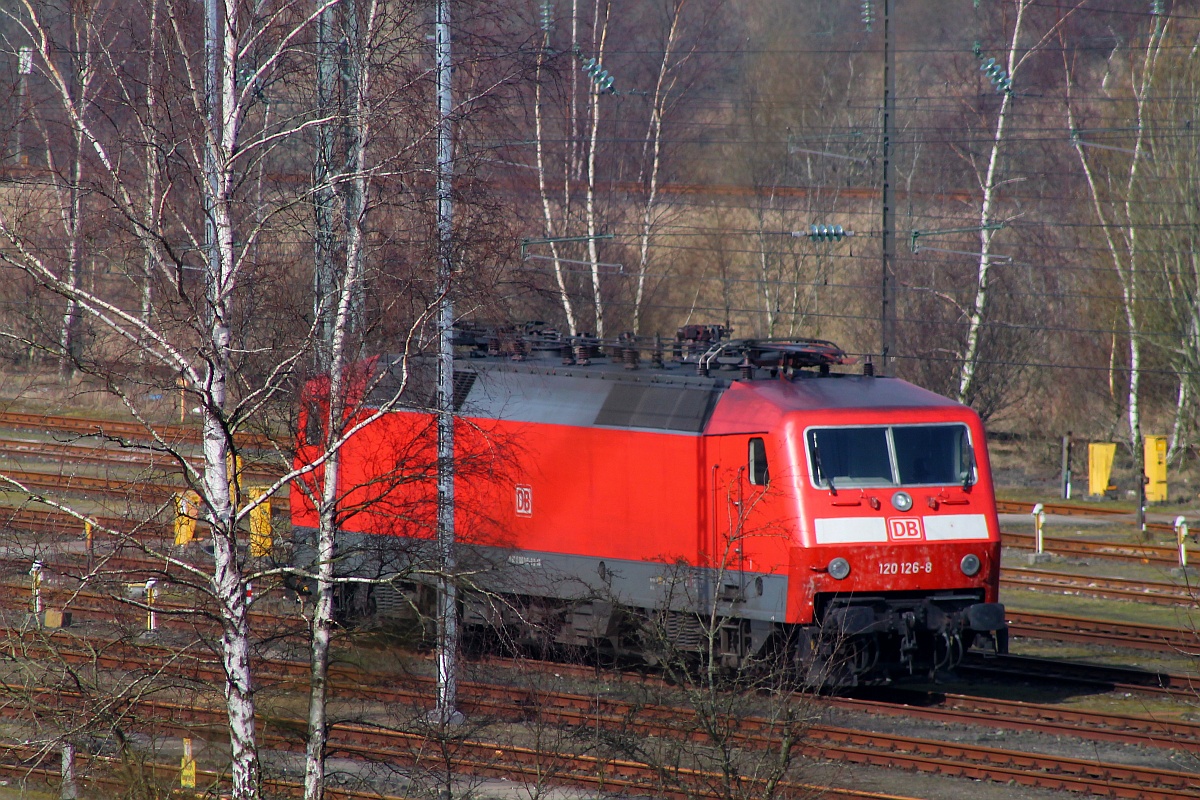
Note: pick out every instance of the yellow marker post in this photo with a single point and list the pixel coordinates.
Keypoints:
(187, 767)
(35, 588)
(1155, 449)
(187, 508)
(233, 468)
(151, 597)
(1100, 461)
(261, 538)
(1181, 532)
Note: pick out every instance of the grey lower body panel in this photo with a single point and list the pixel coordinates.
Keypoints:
(559, 576)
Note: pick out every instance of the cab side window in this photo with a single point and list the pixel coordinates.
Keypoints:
(314, 426)
(759, 474)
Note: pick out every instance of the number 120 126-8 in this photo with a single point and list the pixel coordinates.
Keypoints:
(905, 567)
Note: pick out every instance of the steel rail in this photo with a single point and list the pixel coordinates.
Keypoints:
(131, 431)
(478, 757)
(1154, 592)
(1076, 510)
(1140, 553)
(1036, 717)
(168, 463)
(1116, 634)
(134, 489)
(821, 741)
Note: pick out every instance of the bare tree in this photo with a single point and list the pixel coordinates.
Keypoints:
(1113, 191)
(200, 335)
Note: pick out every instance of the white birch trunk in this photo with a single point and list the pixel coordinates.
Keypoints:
(228, 582)
(539, 139)
(970, 358)
(654, 138)
(70, 781)
(339, 357)
(1126, 254)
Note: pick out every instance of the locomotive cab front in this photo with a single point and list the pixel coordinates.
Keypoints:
(899, 556)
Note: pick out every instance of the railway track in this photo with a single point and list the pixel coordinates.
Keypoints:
(485, 701)
(58, 522)
(135, 490)
(1021, 624)
(125, 605)
(127, 431)
(1092, 631)
(1138, 553)
(419, 752)
(1021, 716)
(100, 454)
(1153, 592)
(1078, 510)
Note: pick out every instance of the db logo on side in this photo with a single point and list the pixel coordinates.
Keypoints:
(905, 529)
(524, 500)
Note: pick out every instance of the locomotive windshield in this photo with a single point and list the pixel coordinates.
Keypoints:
(891, 455)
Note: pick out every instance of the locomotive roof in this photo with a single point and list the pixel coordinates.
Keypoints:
(539, 388)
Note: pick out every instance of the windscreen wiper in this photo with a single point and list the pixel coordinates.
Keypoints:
(816, 452)
(969, 473)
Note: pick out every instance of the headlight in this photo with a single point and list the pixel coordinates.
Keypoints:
(839, 568)
(902, 501)
(969, 564)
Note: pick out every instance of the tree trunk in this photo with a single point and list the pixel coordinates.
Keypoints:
(977, 318)
(70, 783)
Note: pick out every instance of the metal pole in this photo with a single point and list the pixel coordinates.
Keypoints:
(1066, 466)
(887, 316)
(447, 645)
(1039, 521)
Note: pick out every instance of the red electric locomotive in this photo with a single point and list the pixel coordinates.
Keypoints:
(845, 520)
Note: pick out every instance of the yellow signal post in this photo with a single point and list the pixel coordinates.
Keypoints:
(1156, 469)
(260, 524)
(151, 597)
(233, 468)
(187, 767)
(187, 508)
(1100, 461)
(35, 588)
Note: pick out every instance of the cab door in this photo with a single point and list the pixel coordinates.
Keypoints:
(738, 473)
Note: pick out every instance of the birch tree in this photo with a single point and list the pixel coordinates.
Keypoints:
(575, 164)
(201, 335)
(993, 172)
(1173, 279)
(601, 117)
(1114, 188)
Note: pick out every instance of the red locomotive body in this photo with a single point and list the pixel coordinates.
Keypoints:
(847, 520)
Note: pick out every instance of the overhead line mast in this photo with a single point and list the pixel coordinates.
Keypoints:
(887, 313)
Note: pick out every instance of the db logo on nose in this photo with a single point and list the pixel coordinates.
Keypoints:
(905, 529)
